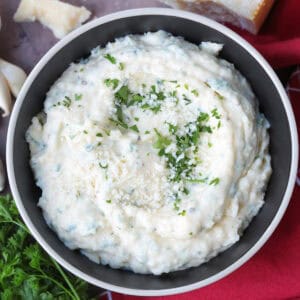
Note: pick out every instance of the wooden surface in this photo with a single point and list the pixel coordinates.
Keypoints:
(25, 43)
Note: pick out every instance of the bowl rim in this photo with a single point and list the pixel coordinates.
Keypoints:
(163, 12)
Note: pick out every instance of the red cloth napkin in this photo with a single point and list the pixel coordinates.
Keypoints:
(274, 272)
(279, 39)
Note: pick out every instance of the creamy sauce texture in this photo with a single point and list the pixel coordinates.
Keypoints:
(151, 154)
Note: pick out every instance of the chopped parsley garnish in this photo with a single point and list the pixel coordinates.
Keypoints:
(179, 162)
(110, 58)
(182, 158)
(187, 100)
(214, 181)
(85, 132)
(136, 98)
(215, 113)
(185, 191)
(155, 108)
(119, 123)
(176, 204)
(197, 180)
(99, 134)
(172, 128)
(182, 161)
(182, 213)
(67, 102)
(160, 95)
(161, 143)
(221, 97)
(108, 201)
(107, 132)
(103, 166)
(111, 83)
(122, 95)
(195, 92)
(134, 128)
(78, 97)
(173, 94)
(121, 66)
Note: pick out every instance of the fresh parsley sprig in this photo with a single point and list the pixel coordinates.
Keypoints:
(26, 271)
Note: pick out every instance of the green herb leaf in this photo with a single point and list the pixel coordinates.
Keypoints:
(134, 128)
(176, 204)
(214, 181)
(221, 97)
(187, 100)
(195, 92)
(182, 213)
(78, 97)
(215, 113)
(103, 166)
(110, 58)
(162, 142)
(26, 271)
(123, 94)
(111, 82)
(67, 102)
(172, 128)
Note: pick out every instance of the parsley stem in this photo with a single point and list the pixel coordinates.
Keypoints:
(65, 277)
(56, 282)
(16, 223)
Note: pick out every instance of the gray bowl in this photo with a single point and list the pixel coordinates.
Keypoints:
(194, 28)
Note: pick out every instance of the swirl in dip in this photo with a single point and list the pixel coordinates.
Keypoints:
(151, 154)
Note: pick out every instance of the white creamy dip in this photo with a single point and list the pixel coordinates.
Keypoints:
(151, 154)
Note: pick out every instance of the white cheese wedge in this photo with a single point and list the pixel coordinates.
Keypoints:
(14, 76)
(248, 15)
(60, 17)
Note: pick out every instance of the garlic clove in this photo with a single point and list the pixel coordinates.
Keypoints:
(14, 75)
(5, 98)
